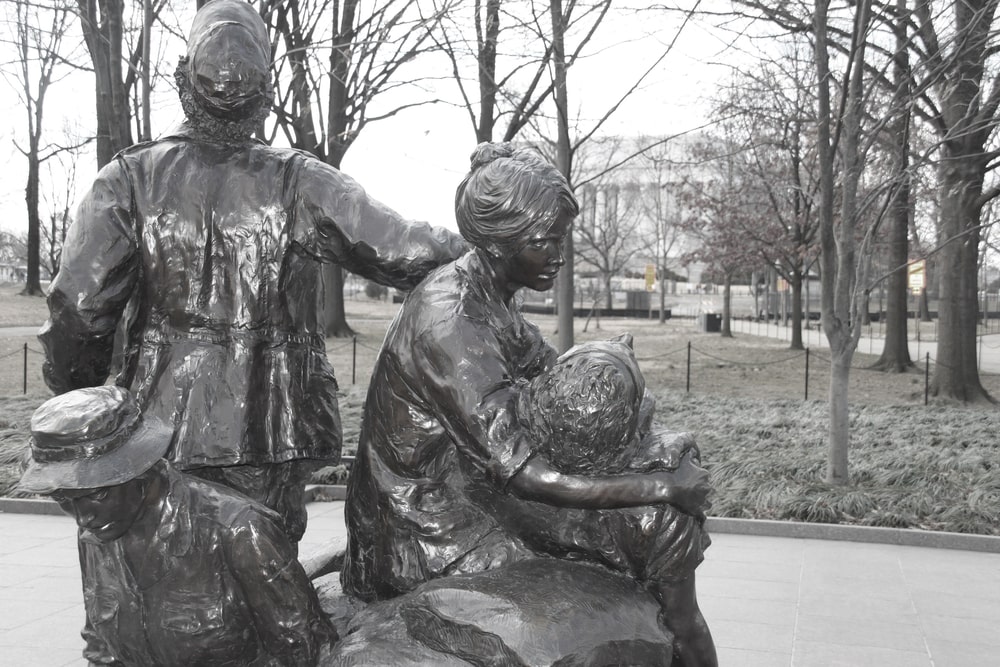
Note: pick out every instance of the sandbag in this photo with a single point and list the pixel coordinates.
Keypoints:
(544, 612)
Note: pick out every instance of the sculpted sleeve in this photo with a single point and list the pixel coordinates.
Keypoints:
(98, 271)
(473, 389)
(336, 221)
(287, 616)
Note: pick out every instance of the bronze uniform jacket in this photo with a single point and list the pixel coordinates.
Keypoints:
(209, 256)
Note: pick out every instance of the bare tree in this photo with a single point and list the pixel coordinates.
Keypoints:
(848, 128)
(13, 248)
(843, 276)
(58, 199)
(895, 355)
(116, 49)
(607, 231)
(724, 203)
(769, 111)
(958, 90)
(532, 91)
(38, 33)
(103, 29)
(564, 160)
(321, 106)
(499, 32)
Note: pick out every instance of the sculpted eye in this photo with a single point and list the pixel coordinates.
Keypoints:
(100, 494)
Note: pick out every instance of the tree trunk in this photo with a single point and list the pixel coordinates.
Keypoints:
(564, 163)
(839, 440)
(967, 109)
(338, 141)
(336, 317)
(146, 65)
(840, 298)
(609, 301)
(663, 300)
(896, 353)
(956, 374)
(102, 33)
(796, 343)
(33, 286)
(727, 302)
(486, 36)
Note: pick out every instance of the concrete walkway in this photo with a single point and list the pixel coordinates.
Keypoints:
(769, 600)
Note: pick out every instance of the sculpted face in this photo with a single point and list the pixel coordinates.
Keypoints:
(536, 265)
(107, 512)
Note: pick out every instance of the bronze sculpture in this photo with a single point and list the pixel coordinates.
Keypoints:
(449, 479)
(177, 570)
(205, 246)
(203, 249)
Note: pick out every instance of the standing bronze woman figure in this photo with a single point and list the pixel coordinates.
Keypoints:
(446, 464)
(204, 248)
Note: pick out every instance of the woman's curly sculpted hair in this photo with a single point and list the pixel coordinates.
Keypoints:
(510, 196)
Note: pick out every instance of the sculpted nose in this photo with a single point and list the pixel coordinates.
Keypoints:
(557, 256)
(84, 516)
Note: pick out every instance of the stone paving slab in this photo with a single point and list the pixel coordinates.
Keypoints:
(770, 601)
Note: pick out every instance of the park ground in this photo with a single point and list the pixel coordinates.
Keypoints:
(759, 417)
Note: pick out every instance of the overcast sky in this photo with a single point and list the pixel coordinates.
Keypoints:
(414, 161)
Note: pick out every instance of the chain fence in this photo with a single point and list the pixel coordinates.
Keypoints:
(21, 361)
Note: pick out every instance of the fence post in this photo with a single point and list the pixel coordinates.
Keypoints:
(687, 387)
(927, 376)
(807, 375)
(25, 378)
(354, 358)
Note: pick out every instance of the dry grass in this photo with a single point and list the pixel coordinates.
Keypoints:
(933, 467)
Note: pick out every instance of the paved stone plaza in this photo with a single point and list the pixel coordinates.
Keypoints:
(769, 600)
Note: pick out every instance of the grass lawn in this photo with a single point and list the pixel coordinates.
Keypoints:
(935, 467)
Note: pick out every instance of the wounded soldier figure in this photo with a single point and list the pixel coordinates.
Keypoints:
(590, 414)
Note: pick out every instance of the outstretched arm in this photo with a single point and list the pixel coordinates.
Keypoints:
(687, 488)
(336, 221)
(473, 389)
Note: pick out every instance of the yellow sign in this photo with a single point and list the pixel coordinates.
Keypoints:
(782, 285)
(650, 277)
(918, 275)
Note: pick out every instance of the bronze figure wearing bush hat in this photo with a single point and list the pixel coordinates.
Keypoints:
(176, 570)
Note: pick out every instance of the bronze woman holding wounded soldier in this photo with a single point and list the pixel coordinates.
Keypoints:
(449, 478)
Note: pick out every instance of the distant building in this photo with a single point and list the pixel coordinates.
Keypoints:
(13, 273)
(630, 204)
